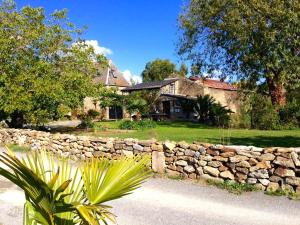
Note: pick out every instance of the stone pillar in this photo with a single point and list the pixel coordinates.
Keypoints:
(158, 162)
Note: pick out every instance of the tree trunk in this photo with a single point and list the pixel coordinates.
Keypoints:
(276, 91)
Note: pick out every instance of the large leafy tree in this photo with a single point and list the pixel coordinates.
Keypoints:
(44, 66)
(252, 40)
(158, 69)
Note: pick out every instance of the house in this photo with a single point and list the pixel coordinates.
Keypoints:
(110, 77)
(172, 91)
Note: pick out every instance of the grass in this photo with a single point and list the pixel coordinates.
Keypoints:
(189, 132)
(281, 192)
(233, 187)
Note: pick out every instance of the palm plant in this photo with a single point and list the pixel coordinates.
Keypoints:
(60, 193)
(212, 112)
(203, 106)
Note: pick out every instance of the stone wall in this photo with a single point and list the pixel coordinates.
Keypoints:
(268, 168)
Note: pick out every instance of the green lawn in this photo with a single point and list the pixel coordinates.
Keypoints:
(190, 132)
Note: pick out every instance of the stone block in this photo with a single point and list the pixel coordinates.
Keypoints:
(267, 157)
(189, 169)
(238, 158)
(128, 154)
(284, 162)
(283, 172)
(227, 174)
(138, 147)
(212, 171)
(158, 162)
(181, 163)
(170, 145)
(272, 186)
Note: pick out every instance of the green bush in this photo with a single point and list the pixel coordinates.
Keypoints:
(290, 115)
(93, 114)
(127, 125)
(264, 115)
(137, 125)
(86, 121)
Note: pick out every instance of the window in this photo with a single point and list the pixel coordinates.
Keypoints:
(177, 107)
(112, 73)
(172, 89)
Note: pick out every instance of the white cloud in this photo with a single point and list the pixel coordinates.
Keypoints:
(131, 77)
(99, 49)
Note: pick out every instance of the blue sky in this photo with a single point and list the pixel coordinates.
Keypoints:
(136, 31)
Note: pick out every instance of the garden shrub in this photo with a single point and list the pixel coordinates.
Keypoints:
(264, 115)
(93, 114)
(137, 125)
(290, 115)
(145, 124)
(127, 125)
(86, 121)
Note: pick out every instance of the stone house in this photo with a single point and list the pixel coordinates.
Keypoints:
(172, 90)
(110, 77)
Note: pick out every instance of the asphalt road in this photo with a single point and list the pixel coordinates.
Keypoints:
(170, 202)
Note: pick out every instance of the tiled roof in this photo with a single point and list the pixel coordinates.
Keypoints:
(151, 85)
(111, 76)
(216, 84)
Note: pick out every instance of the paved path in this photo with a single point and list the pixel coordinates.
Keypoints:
(169, 202)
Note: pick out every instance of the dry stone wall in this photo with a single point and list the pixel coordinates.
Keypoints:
(268, 168)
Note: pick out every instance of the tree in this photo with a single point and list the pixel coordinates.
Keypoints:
(252, 40)
(43, 67)
(158, 69)
(134, 103)
(183, 70)
(58, 192)
(109, 97)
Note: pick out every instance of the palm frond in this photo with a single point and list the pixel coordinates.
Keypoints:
(105, 180)
(58, 193)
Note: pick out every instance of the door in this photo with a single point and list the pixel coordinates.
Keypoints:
(115, 113)
(166, 107)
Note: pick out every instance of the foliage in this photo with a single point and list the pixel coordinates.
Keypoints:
(187, 106)
(263, 114)
(58, 193)
(44, 66)
(207, 109)
(86, 121)
(233, 187)
(289, 114)
(18, 148)
(93, 114)
(137, 125)
(62, 112)
(183, 70)
(158, 69)
(257, 112)
(252, 40)
(211, 112)
(135, 103)
(109, 97)
(283, 192)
